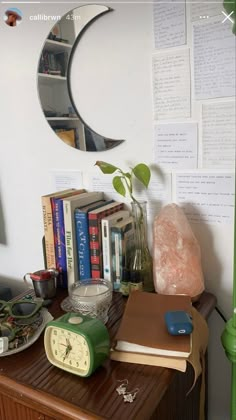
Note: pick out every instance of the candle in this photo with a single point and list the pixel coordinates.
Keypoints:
(91, 290)
(92, 297)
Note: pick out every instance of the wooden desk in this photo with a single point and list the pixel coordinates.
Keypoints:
(31, 388)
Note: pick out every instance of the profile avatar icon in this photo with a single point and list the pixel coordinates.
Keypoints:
(13, 16)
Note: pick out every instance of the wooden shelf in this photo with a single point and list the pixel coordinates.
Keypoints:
(62, 118)
(56, 47)
(50, 78)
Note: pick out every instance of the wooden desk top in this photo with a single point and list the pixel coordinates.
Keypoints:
(28, 375)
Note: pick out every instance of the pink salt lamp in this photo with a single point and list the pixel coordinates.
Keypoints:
(176, 255)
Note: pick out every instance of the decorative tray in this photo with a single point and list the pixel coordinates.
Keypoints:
(27, 341)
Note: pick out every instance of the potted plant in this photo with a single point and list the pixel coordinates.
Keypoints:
(138, 273)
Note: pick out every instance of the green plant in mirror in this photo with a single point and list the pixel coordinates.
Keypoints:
(138, 271)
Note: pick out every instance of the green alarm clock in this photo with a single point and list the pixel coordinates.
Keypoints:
(76, 343)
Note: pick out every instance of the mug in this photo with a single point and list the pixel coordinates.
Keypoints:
(44, 282)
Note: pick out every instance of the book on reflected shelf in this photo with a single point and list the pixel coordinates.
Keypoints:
(143, 337)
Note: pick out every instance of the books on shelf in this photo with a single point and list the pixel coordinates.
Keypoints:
(59, 236)
(53, 63)
(47, 208)
(106, 225)
(82, 238)
(69, 206)
(143, 331)
(95, 236)
(122, 236)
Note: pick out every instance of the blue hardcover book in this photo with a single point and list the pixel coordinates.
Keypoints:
(59, 237)
(82, 238)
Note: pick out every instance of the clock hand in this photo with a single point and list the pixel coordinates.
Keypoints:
(68, 349)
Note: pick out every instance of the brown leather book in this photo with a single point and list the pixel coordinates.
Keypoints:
(143, 330)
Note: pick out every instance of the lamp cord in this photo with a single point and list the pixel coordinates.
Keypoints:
(220, 313)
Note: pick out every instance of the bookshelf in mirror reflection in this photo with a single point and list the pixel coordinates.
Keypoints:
(72, 221)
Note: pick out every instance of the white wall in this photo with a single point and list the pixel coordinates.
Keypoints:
(120, 106)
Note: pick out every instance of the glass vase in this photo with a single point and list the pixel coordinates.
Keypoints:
(140, 260)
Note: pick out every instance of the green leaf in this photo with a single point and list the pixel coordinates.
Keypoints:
(128, 175)
(143, 173)
(118, 185)
(105, 167)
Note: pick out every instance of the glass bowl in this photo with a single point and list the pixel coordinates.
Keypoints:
(90, 297)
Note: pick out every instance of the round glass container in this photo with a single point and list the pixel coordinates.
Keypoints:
(90, 297)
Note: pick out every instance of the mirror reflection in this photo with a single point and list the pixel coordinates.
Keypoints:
(54, 88)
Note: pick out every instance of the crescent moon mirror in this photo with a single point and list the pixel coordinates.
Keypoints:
(54, 85)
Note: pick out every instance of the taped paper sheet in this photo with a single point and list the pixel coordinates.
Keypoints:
(169, 24)
(206, 197)
(176, 145)
(218, 135)
(214, 58)
(171, 85)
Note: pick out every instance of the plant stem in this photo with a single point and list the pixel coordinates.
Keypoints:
(129, 188)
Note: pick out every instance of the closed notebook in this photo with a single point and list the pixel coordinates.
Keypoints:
(143, 329)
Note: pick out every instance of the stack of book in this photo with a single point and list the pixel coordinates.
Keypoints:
(78, 231)
(53, 63)
(143, 336)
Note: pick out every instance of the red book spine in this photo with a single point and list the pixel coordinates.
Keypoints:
(95, 239)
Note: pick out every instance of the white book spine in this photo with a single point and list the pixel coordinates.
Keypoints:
(106, 225)
(117, 259)
(106, 249)
(72, 273)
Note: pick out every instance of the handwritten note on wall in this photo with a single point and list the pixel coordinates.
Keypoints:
(205, 8)
(66, 179)
(171, 85)
(218, 135)
(103, 183)
(169, 24)
(176, 145)
(214, 59)
(205, 197)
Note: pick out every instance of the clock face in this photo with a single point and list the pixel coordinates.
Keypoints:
(67, 350)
